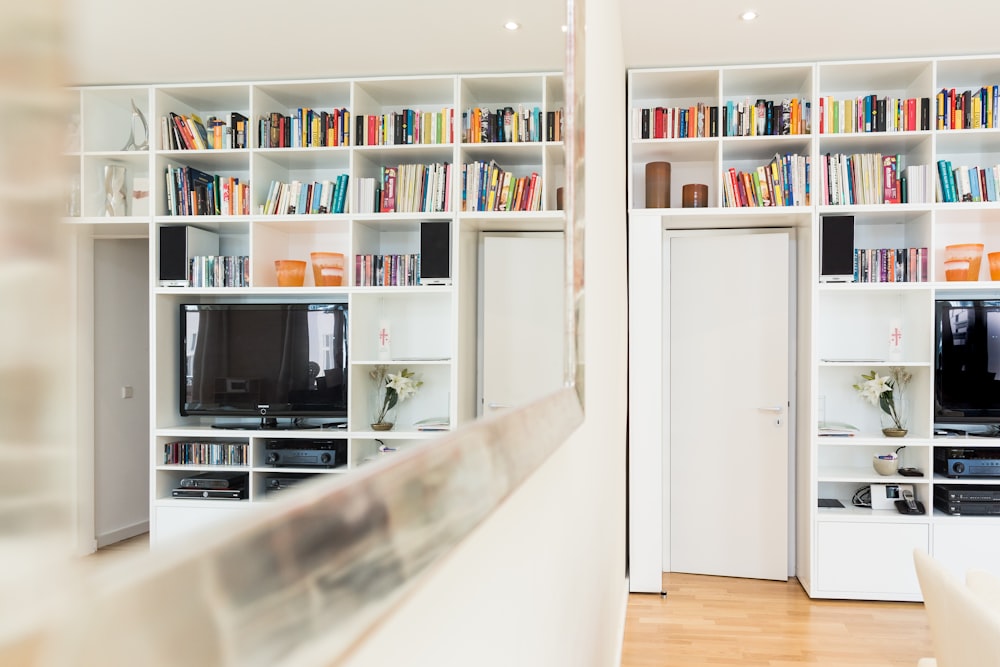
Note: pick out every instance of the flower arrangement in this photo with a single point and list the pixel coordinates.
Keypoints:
(886, 393)
(390, 390)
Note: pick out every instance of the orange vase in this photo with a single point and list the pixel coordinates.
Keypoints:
(328, 268)
(291, 272)
(969, 252)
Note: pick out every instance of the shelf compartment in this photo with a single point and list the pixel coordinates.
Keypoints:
(868, 315)
(838, 401)
(418, 323)
(106, 117)
(430, 401)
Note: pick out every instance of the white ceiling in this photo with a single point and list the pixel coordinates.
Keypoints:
(147, 41)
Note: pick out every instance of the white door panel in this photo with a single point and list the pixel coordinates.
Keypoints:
(728, 398)
(521, 318)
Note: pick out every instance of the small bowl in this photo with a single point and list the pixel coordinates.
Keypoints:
(885, 466)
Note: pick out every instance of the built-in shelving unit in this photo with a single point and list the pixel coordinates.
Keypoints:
(843, 328)
(404, 121)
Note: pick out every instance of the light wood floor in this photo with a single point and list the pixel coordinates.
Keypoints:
(725, 621)
(711, 621)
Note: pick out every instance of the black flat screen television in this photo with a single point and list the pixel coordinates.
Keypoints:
(264, 360)
(967, 362)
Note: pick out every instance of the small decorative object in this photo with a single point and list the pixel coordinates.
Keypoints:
(384, 341)
(694, 195)
(559, 199)
(142, 143)
(328, 268)
(657, 185)
(886, 393)
(994, 258)
(291, 272)
(390, 389)
(954, 255)
(895, 339)
(885, 464)
(140, 195)
(114, 190)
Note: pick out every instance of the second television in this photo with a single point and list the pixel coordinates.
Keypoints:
(264, 360)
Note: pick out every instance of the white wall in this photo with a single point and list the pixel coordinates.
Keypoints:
(542, 581)
(121, 358)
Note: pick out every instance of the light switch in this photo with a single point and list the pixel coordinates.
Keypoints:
(127, 391)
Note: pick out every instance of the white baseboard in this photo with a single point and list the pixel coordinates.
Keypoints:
(120, 534)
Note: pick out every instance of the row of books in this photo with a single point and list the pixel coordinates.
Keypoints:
(968, 109)
(405, 188)
(509, 125)
(784, 181)
(486, 186)
(305, 128)
(967, 184)
(869, 178)
(387, 270)
(766, 117)
(189, 132)
(186, 452)
(870, 113)
(406, 127)
(219, 271)
(190, 191)
(736, 118)
(297, 197)
(890, 265)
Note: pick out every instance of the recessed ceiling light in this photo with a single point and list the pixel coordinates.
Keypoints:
(748, 15)
(512, 25)
(565, 28)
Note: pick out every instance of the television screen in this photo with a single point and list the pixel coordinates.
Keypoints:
(264, 360)
(967, 362)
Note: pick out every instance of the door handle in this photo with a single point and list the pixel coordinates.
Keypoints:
(771, 408)
(496, 406)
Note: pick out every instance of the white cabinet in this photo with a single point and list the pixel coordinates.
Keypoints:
(873, 136)
(341, 146)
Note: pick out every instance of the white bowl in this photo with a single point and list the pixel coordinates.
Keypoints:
(885, 466)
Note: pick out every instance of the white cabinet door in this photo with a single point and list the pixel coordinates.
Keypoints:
(869, 560)
(521, 318)
(964, 544)
(728, 433)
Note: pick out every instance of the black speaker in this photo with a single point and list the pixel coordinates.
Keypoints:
(836, 248)
(435, 253)
(178, 244)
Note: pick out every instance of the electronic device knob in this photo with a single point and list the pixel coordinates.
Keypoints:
(325, 458)
(273, 457)
(958, 467)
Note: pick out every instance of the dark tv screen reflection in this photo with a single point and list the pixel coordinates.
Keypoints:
(967, 361)
(264, 360)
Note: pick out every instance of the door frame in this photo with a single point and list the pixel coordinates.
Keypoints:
(648, 372)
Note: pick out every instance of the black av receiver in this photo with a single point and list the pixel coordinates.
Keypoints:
(305, 453)
(958, 462)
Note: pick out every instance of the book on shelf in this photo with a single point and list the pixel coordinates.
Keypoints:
(836, 429)
(433, 424)
(890, 265)
(391, 270)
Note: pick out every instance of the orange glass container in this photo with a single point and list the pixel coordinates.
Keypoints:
(328, 268)
(956, 269)
(291, 272)
(994, 258)
(970, 252)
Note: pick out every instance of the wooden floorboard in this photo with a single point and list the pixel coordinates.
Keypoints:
(708, 621)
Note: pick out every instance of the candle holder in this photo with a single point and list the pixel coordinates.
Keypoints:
(694, 195)
(658, 185)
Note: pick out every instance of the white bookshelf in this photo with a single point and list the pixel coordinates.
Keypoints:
(433, 327)
(841, 327)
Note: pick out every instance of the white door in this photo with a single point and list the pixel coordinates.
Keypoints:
(520, 317)
(728, 400)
